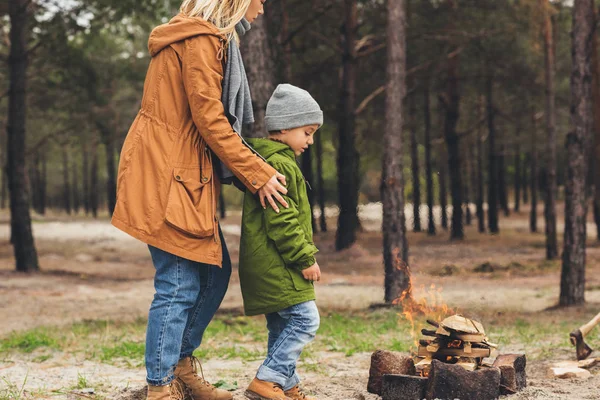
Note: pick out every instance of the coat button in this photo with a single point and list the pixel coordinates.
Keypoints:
(178, 177)
(204, 179)
(253, 182)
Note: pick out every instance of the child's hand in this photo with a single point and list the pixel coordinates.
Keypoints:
(312, 273)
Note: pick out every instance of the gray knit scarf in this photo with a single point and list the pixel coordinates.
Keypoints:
(236, 97)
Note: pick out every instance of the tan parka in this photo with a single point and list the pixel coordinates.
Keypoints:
(167, 191)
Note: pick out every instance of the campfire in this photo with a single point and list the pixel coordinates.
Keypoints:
(456, 340)
(454, 360)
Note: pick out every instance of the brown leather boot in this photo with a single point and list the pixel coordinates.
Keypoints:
(296, 394)
(187, 370)
(263, 390)
(172, 391)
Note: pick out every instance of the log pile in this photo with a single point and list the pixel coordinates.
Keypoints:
(456, 340)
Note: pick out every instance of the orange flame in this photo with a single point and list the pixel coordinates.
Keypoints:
(431, 305)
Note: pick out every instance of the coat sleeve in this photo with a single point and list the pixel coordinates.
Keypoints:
(284, 228)
(202, 80)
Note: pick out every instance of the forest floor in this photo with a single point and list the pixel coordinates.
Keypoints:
(76, 329)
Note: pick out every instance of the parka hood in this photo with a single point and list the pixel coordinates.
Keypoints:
(267, 147)
(179, 28)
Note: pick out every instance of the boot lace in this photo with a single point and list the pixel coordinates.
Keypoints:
(177, 390)
(196, 365)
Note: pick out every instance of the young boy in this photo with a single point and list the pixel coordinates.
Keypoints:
(277, 254)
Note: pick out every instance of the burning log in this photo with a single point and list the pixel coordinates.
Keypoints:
(386, 362)
(456, 360)
(457, 340)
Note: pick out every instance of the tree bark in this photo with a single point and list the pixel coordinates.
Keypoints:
(222, 213)
(518, 171)
(348, 158)
(533, 176)
(468, 183)
(502, 191)
(480, 211)
(414, 155)
(66, 182)
(442, 171)
(75, 187)
(261, 71)
(93, 194)
(453, 145)
(43, 179)
(492, 161)
(572, 282)
(395, 245)
(428, 166)
(21, 232)
(596, 133)
(525, 178)
(551, 185)
(321, 183)
(307, 171)
(86, 178)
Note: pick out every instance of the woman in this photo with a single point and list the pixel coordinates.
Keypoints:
(168, 189)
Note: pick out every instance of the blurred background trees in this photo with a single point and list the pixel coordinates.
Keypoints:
(485, 113)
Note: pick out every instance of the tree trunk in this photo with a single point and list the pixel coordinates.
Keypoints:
(468, 183)
(572, 282)
(261, 71)
(66, 182)
(75, 187)
(86, 178)
(43, 179)
(307, 171)
(414, 156)
(551, 189)
(480, 211)
(596, 133)
(321, 183)
(452, 142)
(442, 171)
(492, 161)
(533, 176)
(525, 178)
(93, 194)
(502, 191)
(31, 168)
(395, 245)
(518, 172)
(443, 181)
(21, 232)
(347, 159)
(222, 212)
(111, 181)
(428, 166)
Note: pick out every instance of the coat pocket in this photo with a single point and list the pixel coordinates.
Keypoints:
(298, 280)
(190, 207)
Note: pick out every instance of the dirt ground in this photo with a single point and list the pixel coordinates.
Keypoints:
(93, 271)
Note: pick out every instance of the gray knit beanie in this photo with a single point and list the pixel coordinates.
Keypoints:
(291, 107)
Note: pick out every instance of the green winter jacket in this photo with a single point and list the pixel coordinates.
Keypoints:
(275, 248)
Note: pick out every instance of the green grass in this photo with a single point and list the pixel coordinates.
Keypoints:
(245, 338)
(27, 342)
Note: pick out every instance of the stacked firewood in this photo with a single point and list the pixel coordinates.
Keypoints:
(456, 340)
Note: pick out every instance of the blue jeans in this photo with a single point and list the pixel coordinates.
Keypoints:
(188, 294)
(289, 331)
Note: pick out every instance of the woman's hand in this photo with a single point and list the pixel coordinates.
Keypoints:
(312, 273)
(270, 191)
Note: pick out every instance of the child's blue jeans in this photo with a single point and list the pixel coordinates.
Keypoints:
(289, 331)
(188, 294)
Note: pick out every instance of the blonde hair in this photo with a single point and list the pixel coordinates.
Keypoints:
(224, 14)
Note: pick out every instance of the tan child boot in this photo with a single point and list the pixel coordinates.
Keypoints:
(296, 393)
(172, 391)
(187, 372)
(263, 390)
